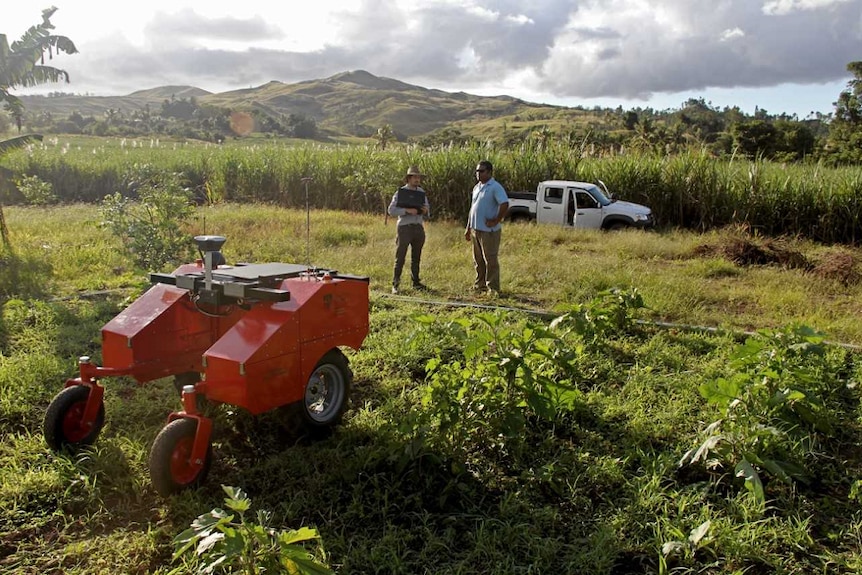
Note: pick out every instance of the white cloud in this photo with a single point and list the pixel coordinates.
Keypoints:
(633, 49)
(730, 34)
(520, 19)
(782, 7)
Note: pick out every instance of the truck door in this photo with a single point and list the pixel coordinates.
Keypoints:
(551, 209)
(588, 212)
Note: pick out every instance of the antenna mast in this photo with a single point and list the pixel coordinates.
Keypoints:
(305, 181)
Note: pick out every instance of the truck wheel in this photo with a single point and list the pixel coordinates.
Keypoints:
(63, 427)
(617, 226)
(171, 468)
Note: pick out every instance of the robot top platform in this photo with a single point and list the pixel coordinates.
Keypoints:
(252, 272)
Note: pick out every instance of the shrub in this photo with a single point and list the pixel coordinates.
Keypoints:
(36, 191)
(151, 228)
(774, 408)
(220, 541)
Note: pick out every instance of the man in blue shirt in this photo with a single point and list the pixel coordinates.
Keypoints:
(488, 208)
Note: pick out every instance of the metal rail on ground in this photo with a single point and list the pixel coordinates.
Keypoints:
(550, 314)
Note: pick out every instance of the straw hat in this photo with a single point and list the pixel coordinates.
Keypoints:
(414, 171)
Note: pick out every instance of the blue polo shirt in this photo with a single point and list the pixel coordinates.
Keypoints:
(487, 199)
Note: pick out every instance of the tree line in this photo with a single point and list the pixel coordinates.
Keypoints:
(177, 117)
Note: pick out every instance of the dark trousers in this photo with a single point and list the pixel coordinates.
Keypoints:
(412, 236)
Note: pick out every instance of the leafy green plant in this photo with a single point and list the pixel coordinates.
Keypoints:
(773, 408)
(152, 228)
(503, 375)
(683, 547)
(225, 542)
(611, 312)
(36, 191)
(489, 377)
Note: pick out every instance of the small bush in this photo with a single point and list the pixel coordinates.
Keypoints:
(225, 542)
(152, 228)
(36, 191)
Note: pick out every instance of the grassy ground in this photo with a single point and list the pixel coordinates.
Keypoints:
(684, 277)
(595, 489)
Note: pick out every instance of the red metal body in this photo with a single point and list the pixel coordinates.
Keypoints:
(256, 355)
(257, 358)
(265, 358)
(257, 336)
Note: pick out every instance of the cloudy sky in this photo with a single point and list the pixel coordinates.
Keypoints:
(782, 55)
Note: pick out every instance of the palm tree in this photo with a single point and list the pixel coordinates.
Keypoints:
(22, 65)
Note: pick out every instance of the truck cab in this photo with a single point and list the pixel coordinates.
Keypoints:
(585, 205)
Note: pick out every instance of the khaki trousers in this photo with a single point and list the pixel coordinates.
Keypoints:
(486, 246)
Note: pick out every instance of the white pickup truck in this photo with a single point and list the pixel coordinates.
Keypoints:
(578, 205)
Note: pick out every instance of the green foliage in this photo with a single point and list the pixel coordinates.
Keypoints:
(5, 147)
(22, 64)
(691, 190)
(611, 312)
(774, 408)
(845, 131)
(683, 547)
(36, 191)
(226, 542)
(384, 136)
(481, 400)
(596, 489)
(489, 378)
(151, 228)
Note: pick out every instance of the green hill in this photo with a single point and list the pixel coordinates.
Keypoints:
(347, 104)
(357, 103)
(352, 106)
(61, 104)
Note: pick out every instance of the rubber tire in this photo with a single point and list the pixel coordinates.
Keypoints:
(333, 366)
(617, 226)
(67, 407)
(169, 455)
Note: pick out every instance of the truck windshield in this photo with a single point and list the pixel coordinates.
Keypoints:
(598, 195)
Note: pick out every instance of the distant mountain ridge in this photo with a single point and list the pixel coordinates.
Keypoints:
(348, 103)
(164, 92)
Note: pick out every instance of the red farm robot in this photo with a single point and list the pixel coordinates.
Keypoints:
(258, 336)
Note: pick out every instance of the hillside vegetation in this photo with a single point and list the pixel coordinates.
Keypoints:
(351, 103)
(356, 106)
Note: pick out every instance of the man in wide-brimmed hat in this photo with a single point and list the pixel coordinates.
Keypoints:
(410, 204)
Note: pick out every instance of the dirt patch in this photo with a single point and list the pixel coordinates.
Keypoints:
(753, 251)
(746, 249)
(840, 266)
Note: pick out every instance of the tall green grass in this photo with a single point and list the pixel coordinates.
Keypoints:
(693, 191)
